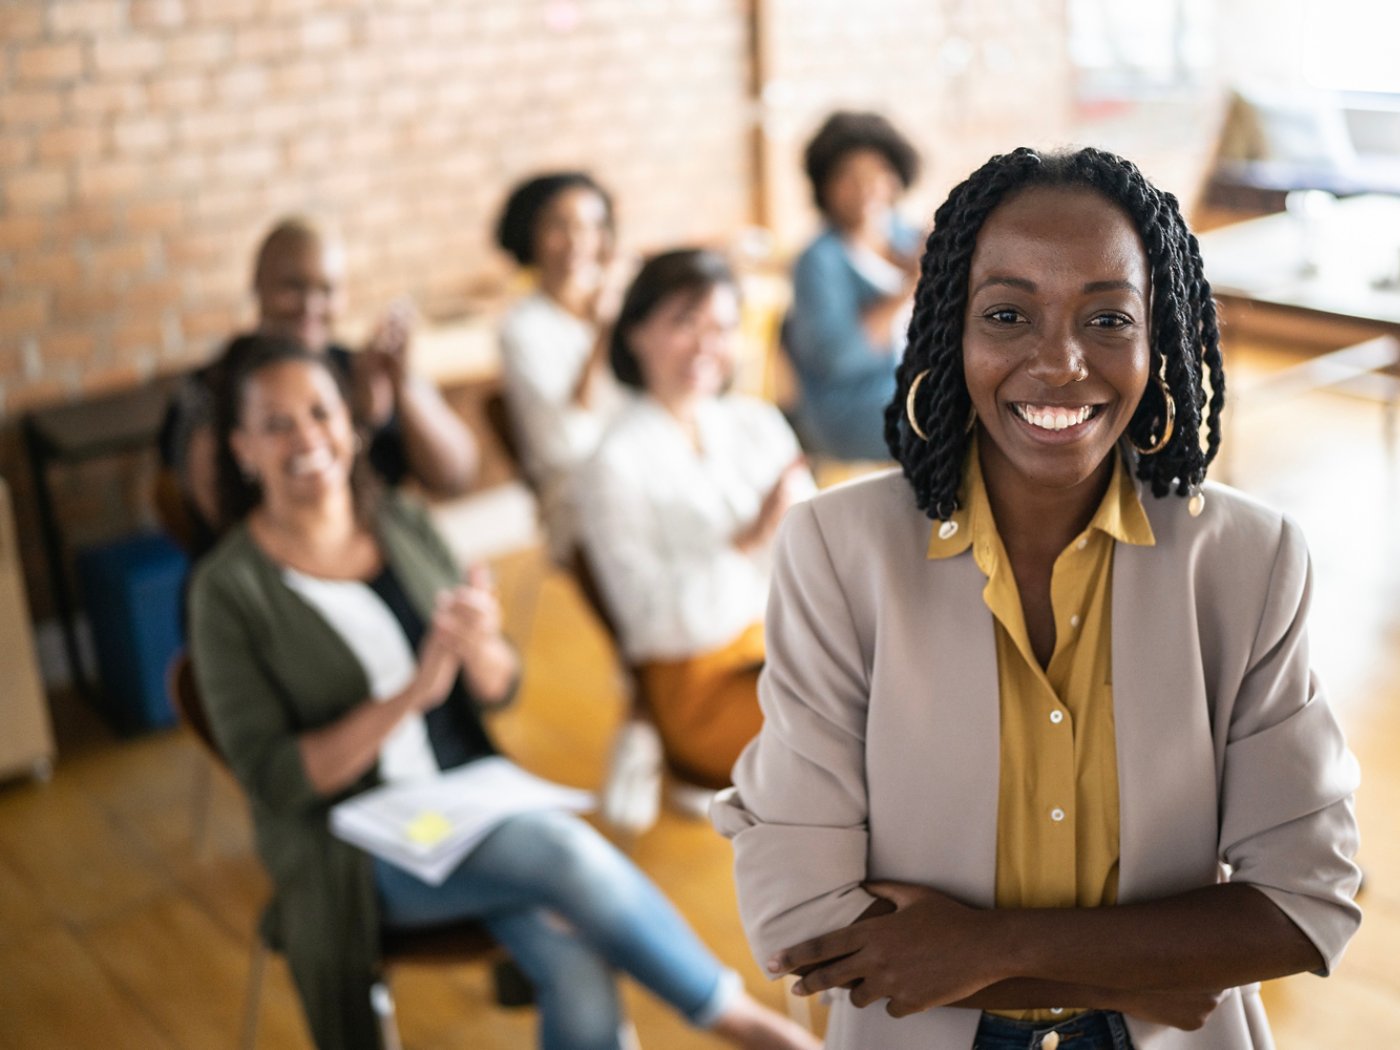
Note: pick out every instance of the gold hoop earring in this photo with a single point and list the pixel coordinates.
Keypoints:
(909, 406)
(1170, 423)
(971, 419)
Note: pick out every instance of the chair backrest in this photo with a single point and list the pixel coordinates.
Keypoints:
(502, 426)
(189, 706)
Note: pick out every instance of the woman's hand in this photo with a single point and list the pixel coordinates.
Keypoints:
(929, 951)
(1183, 1008)
(438, 667)
(759, 532)
(468, 619)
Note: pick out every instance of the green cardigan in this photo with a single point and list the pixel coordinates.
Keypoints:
(269, 668)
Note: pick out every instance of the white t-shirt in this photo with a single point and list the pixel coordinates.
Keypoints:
(658, 521)
(544, 349)
(373, 634)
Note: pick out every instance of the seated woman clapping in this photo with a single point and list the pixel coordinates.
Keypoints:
(679, 506)
(554, 341)
(336, 648)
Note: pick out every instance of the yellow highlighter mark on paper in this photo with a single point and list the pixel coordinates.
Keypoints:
(428, 828)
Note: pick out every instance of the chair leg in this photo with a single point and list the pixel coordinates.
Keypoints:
(201, 799)
(382, 1000)
(252, 1001)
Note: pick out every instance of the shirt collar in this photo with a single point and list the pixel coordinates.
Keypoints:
(1120, 513)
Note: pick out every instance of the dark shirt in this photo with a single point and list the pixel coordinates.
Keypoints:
(454, 726)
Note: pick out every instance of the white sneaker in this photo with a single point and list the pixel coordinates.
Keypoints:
(631, 795)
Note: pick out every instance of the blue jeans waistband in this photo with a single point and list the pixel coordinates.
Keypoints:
(1097, 1030)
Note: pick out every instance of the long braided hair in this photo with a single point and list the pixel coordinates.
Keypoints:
(1184, 333)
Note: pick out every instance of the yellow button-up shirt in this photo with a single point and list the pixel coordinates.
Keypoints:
(1057, 830)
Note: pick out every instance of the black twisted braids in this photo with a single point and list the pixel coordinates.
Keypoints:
(1184, 334)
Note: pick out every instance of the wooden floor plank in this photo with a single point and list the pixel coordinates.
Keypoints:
(190, 973)
(55, 996)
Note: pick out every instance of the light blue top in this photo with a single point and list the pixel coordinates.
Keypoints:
(846, 381)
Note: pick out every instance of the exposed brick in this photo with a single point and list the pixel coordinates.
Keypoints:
(176, 92)
(127, 54)
(66, 344)
(37, 189)
(141, 135)
(106, 180)
(211, 127)
(325, 33)
(300, 78)
(150, 297)
(104, 98)
(113, 378)
(141, 335)
(30, 107)
(156, 216)
(241, 86)
(224, 12)
(19, 233)
(197, 48)
(48, 62)
(21, 21)
(146, 13)
(22, 312)
(120, 260)
(16, 149)
(50, 267)
(81, 304)
(86, 17)
(263, 43)
(70, 142)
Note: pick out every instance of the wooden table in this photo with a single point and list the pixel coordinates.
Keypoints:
(1339, 262)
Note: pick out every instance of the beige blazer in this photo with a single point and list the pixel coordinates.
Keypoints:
(879, 753)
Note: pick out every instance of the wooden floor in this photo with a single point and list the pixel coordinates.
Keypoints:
(119, 928)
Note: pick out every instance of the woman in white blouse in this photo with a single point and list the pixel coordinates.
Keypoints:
(558, 387)
(678, 508)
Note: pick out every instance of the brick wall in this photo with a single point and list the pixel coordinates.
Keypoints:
(146, 144)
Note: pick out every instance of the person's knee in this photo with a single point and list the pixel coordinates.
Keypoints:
(577, 860)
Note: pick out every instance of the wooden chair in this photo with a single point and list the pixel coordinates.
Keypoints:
(450, 944)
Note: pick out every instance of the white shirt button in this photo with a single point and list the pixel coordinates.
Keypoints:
(1082, 544)
(1057, 717)
(1057, 814)
(1074, 620)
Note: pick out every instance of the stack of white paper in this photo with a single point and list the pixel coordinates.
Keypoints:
(426, 827)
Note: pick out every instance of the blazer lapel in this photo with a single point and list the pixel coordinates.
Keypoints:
(1167, 797)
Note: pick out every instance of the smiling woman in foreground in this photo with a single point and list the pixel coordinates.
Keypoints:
(1043, 759)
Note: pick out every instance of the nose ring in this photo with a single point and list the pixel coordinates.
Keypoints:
(1081, 374)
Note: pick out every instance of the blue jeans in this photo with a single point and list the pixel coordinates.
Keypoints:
(537, 869)
(1099, 1030)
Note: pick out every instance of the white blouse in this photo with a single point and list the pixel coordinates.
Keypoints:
(658, 519)
(369, 629)
(544, 349)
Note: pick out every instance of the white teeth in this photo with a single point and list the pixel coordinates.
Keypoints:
(310, 462)
(1049, 417)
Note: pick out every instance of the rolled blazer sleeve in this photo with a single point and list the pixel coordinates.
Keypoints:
(1287, 823)
(797, 813)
